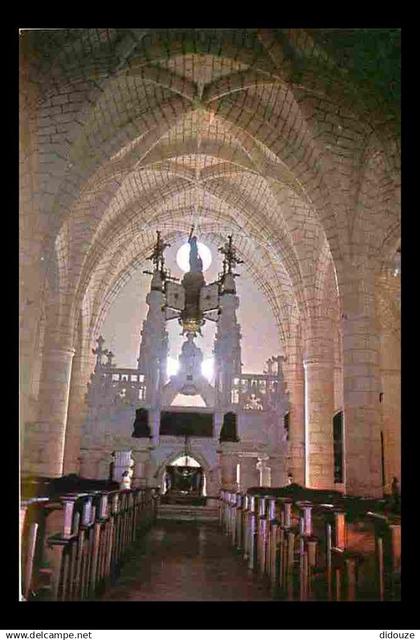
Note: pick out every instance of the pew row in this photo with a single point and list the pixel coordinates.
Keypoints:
(315, 545)
(73, 545)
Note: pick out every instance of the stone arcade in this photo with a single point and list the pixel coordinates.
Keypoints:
(245, 443)
(286, 138)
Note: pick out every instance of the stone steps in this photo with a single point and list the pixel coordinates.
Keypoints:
(188, 513)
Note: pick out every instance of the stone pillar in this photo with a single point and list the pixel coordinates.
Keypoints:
(228, 462)
(227, 344)
(45, 444)
(213, 481)
(361, 385)
(77, 411)
(318, 365)
(319, 409)
(295, 387)
(265, 471)
(154, 341)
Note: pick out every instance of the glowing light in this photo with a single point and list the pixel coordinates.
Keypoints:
(207, 368)
(185, 461)
(172, 366)
(183, 256)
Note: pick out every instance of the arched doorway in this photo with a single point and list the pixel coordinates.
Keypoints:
(184, 481)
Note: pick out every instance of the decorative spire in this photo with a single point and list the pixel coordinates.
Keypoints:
(230, 256)
(157, 256)
(158, 259)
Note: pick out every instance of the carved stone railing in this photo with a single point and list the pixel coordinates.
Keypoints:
(109, 384)
(72, 546)
(258, 392)
(315, 549)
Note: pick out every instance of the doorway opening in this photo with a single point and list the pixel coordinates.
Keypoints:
(184, 482)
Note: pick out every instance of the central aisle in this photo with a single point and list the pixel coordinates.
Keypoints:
(186, 561)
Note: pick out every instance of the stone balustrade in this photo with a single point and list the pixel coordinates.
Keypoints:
(108, 382)
(315, 549)
(73, 545)
(258, 391)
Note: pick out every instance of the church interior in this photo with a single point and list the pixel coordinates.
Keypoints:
(210, 277)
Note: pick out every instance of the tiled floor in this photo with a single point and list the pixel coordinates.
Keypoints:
(186, 561)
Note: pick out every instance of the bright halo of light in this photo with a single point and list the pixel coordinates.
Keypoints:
(183, 256)
(207, 368)
(172, 366)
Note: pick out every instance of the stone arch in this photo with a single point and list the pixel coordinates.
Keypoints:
(178, 452)
(109, 122)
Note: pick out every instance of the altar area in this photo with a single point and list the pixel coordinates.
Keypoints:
(146, 421)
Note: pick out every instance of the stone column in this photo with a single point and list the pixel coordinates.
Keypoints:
(213, 481)
(154, 344)
(264, 470)
(76, 414)
(319, 409)
(228, 462)
(297, 427)
(227, 344)
(294, 375)
(45, 443)
(319, 402)
(361, 385)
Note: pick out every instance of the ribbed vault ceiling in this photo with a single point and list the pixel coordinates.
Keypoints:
(208, 127)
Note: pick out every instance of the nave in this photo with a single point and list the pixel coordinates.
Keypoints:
(181, 560)
(272, 155)
(288, 543)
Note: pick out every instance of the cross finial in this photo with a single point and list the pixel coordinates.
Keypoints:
(157, 256)
(109, 362)
(230, 253)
